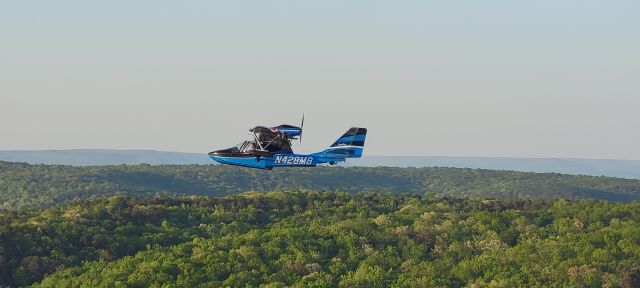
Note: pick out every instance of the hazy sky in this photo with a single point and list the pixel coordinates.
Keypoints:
(464, 78)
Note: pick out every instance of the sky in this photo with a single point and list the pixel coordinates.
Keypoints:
(436, 78)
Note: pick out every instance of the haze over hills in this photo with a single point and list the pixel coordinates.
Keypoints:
(593, 167)
(97, 157)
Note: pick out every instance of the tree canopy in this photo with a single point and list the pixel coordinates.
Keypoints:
(197, 226)
(24, 186)
(321, 239)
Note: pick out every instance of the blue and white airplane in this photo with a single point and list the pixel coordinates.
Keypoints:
(271, 147)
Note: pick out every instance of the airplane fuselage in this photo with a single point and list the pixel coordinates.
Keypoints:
(277, 160)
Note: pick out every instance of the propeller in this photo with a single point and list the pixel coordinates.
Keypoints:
(301, 126)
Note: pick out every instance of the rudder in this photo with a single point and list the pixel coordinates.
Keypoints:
(349, 145)
(354, 137)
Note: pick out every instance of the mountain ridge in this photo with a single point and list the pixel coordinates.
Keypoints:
(97, 157)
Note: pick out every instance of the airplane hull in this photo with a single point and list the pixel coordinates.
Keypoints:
(278, 160)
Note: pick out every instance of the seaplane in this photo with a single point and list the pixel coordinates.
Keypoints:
(270, 147)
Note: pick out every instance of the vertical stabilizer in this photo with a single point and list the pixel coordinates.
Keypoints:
(349, 145)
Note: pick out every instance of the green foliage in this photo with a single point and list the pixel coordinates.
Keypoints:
(167, 226)
(321, 239)
(28, 186)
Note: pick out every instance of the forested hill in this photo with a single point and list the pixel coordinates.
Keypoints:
(95, 157)
(321, 239)
(24, 185)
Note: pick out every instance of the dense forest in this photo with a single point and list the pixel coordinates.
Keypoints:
(40, 186)
(220, 226)
(321, 239)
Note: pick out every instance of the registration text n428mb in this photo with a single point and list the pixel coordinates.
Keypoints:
(293, 160)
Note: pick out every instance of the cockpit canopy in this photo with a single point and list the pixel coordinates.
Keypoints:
(266, 141)
(270, 140)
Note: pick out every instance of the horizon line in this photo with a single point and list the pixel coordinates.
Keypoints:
(404, 156)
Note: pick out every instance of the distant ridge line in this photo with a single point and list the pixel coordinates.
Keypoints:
(97, 157)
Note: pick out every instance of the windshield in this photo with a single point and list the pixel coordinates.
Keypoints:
(274, 145)
(245, 146)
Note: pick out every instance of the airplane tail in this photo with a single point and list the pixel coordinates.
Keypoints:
(349, 145)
